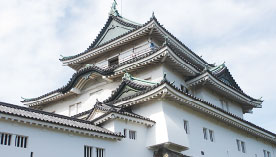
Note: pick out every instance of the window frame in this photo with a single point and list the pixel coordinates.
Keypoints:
(131, 133)
(5, 139)
(238, 144)
(88, 151)
(241, 145)
(112, 59)
(212, 135)
(18, 141)
(205, 133)
(266, 153)
(100, 152)
(186, 126)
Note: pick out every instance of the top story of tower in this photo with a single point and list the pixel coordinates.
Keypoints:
(118, 33)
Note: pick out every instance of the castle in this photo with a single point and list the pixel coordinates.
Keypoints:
(137, 91)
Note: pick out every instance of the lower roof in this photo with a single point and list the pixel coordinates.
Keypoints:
(33, 114)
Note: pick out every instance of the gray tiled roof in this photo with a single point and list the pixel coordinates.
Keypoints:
(52, 118)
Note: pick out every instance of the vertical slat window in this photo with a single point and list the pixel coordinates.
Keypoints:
(205, 136)
(211, 133)
(132, 134)
(87, 151)
(267, 153)
(99, 152)
(243, 147)
(186, 126)
(5, 139)
(238, 145)
(125, 133)
(21, 141)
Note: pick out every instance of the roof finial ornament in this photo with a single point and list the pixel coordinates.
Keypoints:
(165, 41)
(113, 10)
(206, 68)
(153, 16)
(127, 76)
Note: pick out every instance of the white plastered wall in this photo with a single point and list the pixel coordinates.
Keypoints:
(48, 142)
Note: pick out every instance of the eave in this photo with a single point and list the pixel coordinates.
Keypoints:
(161, 55)
(109, 45)
(127, 117)
(48, 120)
(208, 78)
(167, 91)
(145, 30)
(73, 86)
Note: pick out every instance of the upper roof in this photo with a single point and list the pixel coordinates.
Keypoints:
(105, 38)
(115, 26)
(52, 118)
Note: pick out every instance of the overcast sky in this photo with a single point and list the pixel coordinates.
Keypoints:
(34, 33)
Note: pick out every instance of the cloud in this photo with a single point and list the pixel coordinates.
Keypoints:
(34, 33)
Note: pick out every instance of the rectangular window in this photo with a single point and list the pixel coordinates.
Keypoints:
(132, 134)
(125, 133)
(88, 151)
(99, 152)
(243, 146)
(211, 133)
(267, 153)
(238, 145)
(224, 105)
(5, 139)
(78, 107)
(72, 110)
(186, 126)
(205, 134)
(21, 141)
(113, 61)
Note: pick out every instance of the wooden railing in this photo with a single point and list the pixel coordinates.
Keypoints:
(132, 53)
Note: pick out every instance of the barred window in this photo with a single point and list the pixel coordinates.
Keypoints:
(132, 134)
(125, 133)
(5, 139)
(99, 152)
(238, 145)
(267, 153)
(211, 133)
(241, 146)
(186, 126)
(87, 151)
(21, 141)
(205, 134)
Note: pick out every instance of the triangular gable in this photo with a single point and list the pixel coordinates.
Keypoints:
(129, 86)
(222, 73)
(96, 113)
(114, 27)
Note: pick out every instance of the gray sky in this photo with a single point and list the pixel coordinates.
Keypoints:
(34, 33)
